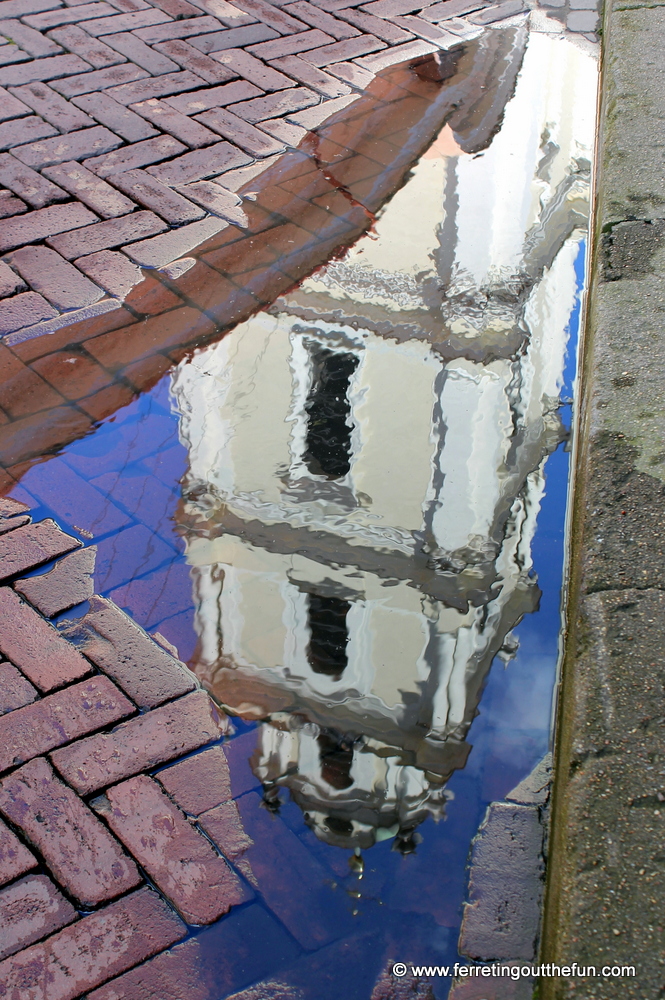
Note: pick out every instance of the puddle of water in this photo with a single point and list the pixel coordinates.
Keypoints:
(348, 516)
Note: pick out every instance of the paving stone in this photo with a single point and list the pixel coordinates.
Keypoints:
(75, 146)
(57, 280)
(198, 783)
(244, 135)
(391, 8)
(83, 856)
(78, 41)
(23, 310)
(29, 39)
(58, 112)
(104, 235)
(15, 858)
(275, 105)
(24, 130)
(141, 54)
(59, 718)
(253, 69)
(497, 12)
(112, 271)
(172, 975)
(93, 949)
(451, 8)
(151, 193)
(177, 8)
(31, 910)
(428, 31)
(126, 22)
(172, 121)
(12, 54)
(178, 29)
(396, 55)
(351, 48)
(119, 647)
(158, 86)
(228, 13)
(41, 69)
(234, 38)
(99, 79)
(33, 545)
(15, 689)
(313, 117)
(193, 59)
(161, 250)
(25, 181)
(140, 744)
(320, 19)
(323, 83)
(385, 30)
(140, 154)
(290, 135)
(63, 15)
(90, 189)
(18, 8)
(353, 74)
(182, 863)
(35, 647)
(291, 44)
(76, 376)
(11, 107)
(275, 18)
(9, 281)
(67, 584)
(213, 97)
(217, 200)
(117, 117)
(579, 20)
(224, 827)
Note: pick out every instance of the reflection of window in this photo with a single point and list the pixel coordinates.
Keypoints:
(329, 635)
(328, 441)
(336, 762)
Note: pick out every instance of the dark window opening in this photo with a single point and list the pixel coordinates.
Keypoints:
(329, 635)
(328, 445)
(336, 761)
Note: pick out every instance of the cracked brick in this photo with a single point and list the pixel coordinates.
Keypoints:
(93, 949)
(69, 583)
(105, 235)
(31, 910)
(116, 117)
(54, 278)
(75, 146)
(16, 691)
(163, 734)
(182, 863)
(224, 827)
(58, 112)
(217, 200)
(198, 783)
(90, 189)
(169, 120)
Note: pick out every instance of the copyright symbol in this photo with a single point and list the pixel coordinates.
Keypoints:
(399, 969)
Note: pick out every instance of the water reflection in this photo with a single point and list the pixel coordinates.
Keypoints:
(366, 467)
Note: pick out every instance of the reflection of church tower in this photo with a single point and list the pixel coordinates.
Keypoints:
(366, 469)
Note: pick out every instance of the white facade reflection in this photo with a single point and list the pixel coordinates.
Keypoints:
(366, 466)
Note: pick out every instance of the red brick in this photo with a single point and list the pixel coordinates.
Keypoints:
(320, 19)
(41, 69)
(253, 69)
(157, 86)
(115, 116)
(10, 205)
(34, 435)
(90, 189)
(31, 910)
(64, 16)
(224, 827)
(162, 250)
(126, 22)
(217, 200)
(228, 13)
(36, 648)
(274, 105)
(92, 50)
(24, 130)
(177, 29)
(60, 282)
(351, 48)
(32, 545)
(58, 718)
(23, 310)
(198, 164)
(42, 99)
(15, 858)
(236, 130)
(11, 107)
(181, 862)
(157, 737)
(199, 783)
(67, 584)
(213, 97)
(152, 194)
(100, 79)
(28, 39)
(169, 120)
(25, 181)
(234, 38)
(267, 14)
(38, 225)
(172, 975)
(112, 271)
(117, 645)
(83, 856)
(105, 235)
(76, 146)
(140, 154)
(385, 30)
(315, 78)
(176, 8)
(141, 54)
(398, 54)
(425, 30)
(291, 44)
(15, 689)
(92, 950)
(191, 58)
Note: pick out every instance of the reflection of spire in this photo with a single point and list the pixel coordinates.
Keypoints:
(360, 506)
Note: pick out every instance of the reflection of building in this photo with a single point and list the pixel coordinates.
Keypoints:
(366, 467)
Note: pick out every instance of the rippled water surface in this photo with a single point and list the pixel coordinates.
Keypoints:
(348, 516)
